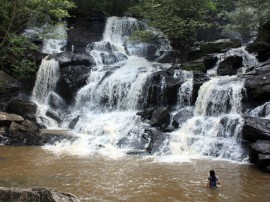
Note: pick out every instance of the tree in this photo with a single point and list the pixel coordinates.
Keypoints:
(178, 19)
(247, 16)
(15, 15)
(112, 7)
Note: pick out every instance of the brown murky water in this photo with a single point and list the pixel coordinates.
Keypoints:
(97, 178)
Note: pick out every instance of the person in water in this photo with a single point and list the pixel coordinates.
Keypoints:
(213, 180)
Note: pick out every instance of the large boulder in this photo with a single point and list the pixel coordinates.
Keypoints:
(71, 59)
(257, 83)
(85, 30)
(26, 109)
(259, 154)
(35, 195)
(229, 66)
(219, 46)
(209, 61)
(6, 119)
(256, 129)
(9, 89)
(160, 117)
(162, 89)
(181, 117)
(156, 141)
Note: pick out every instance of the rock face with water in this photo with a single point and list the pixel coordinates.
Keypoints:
(35, 195)
(257, 83)
(256, 129)
(229, 66)
(85, 30)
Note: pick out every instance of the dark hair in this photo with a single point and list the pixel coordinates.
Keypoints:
(212, 175)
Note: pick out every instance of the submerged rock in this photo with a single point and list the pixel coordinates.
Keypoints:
(35, 195)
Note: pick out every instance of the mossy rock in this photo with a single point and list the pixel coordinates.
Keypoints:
(219, 46)
(8, 83)
(194, 67)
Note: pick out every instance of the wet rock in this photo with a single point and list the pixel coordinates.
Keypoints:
(73, 123)
(260, 154)
(54, 116)
(210, 61)
(26, 109)
(256, 129)
(71, 59)
(257, 83)
(9, 88)
(219, 46)
(6, 119)
(134, 141)
(35, 195)
(71, 80)
(157, 141)
(147, 113)
(160, 117)
(229, 66)
(169, 57)
(85, 30)
(181, 117)
(162, 89)
(56, 102)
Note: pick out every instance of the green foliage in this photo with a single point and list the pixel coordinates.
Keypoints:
(178, 19)
(193, 67)
(15, 15)
(112, 7)
(144, 36)
(247, 16)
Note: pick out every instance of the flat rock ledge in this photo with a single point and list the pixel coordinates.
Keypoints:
(34, 195)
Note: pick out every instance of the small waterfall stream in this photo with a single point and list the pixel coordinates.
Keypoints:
(105, 108)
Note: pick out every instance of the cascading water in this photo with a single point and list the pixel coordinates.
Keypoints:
(215, 129)
(249, 60)
(104, 112)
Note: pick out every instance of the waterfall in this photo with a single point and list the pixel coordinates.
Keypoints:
(104, 111)
(185, 91)
(47, 77)
(249, 60)
(56, 40)
(215, 129)
(220, 95)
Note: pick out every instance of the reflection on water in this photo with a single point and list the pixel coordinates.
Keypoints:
(97, 178)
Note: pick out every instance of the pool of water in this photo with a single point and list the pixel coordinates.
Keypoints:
(130, 178)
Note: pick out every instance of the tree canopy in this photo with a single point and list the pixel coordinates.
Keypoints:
(15, 15)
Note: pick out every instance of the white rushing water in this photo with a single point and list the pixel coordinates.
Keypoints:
(215, 129)
(104, 111)
(249, 60)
